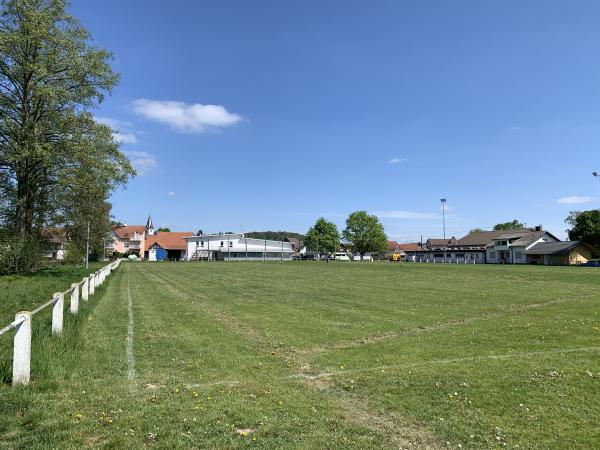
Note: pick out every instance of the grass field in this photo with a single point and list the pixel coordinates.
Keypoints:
(314, 355)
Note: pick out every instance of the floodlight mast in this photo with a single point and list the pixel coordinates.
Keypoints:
(443, 200)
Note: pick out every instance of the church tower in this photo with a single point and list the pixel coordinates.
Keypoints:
(149, 226)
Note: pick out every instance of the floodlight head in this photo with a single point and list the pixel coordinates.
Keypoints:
(443, 200)
(595, 174)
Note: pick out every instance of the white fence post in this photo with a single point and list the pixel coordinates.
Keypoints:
(57, 313)
(22, 349)
(92, 283)
(75, 298)
(84, 289)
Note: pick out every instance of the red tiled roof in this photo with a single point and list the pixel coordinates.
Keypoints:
(410, 247)
(128, 231)
(392, 245)
(169, 240)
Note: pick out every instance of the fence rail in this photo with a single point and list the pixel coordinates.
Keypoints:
(22, 322)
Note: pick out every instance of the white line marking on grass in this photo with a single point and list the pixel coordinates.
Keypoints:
(129, 350)
(443, 362)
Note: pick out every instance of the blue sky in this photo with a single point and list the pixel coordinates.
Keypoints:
(320, 108)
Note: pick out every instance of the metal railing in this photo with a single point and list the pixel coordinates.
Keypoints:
(22, 322)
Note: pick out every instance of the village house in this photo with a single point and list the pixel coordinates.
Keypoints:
(129, 239)
(236, 247)
(143, 241)
(559, 253)
(57, 242)
(517, 246)
(166, 245)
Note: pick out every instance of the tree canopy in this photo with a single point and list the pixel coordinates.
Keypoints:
(164, 229)
(513, 225)
(365, 232)
(50, 79)
(57, 165)
(585, 226)
(323, 237)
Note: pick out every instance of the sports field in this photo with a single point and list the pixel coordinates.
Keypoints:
(315, 355)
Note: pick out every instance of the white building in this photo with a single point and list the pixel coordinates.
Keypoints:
(481, 247)
(511, 247)
(236, 247)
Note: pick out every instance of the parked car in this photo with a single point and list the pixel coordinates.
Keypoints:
(591, 263)
(341, 256)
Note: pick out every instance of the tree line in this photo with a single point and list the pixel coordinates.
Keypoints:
(364, 231)
(58, 166)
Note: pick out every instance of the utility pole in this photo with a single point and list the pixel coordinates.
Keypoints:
(87, 246)
(443, 200)
(245, 242)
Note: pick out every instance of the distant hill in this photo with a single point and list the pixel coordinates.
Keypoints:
(274, 235)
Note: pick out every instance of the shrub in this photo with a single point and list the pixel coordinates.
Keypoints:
(20, 254)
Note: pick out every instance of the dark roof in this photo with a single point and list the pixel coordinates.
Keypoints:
(431, 243)
(555, 248)
(483, 238)
(530, 238)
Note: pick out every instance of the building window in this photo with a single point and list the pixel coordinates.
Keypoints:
(492, 255)
(438, 255)
(221, 243)
(201, 243)
(230, 244)
(518, 255)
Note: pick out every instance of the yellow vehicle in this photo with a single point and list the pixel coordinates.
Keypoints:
(395, 257)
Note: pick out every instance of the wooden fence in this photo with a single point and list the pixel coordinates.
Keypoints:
(22, 322)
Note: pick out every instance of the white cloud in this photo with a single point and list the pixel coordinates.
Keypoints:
(405, 215)
(397, 160)
(186, 118)
(575, 199)
(143, 162)
(122, 132)
(171, 194)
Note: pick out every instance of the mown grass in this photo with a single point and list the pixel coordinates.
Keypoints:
(25, 293)
(313, 355)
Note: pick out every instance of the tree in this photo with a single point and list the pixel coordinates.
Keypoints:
(165, 229)
(365, 232)
(514, 225)
(50, 77)
(476, 230)
(322, 237)
(585, 226)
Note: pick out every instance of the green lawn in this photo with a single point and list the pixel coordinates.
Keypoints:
(315, 355)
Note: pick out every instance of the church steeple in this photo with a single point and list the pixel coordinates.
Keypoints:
(149, 226)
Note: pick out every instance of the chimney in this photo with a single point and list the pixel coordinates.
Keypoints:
(539, 228)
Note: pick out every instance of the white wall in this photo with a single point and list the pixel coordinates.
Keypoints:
(234, 243)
